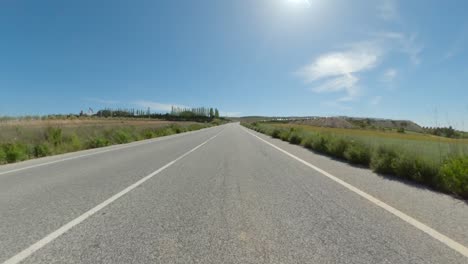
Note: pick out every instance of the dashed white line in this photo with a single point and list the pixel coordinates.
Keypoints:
(410, 220)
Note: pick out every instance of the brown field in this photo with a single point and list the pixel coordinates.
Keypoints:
(30, 138)
(33, 131)
(378, 133)
(428, 146)
(85, 122)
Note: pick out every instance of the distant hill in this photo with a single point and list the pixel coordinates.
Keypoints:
(336, 122)
(385, 123)
(342, 122)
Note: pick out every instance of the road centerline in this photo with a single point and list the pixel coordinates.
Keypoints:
(63, 229)
(408, 219)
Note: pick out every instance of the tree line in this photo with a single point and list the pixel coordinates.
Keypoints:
(449, 132)
(198, 111)
(199, 114)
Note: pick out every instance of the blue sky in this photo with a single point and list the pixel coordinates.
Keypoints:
(385, 58)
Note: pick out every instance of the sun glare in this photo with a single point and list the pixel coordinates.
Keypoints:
(302, 3)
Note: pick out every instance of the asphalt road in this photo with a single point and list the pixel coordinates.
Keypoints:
(220, 195)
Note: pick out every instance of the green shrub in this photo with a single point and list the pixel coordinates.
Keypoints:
(336, 147)
(2, 155)
(284, 135)
(276, 133)
(15, 152)
(98, 142)
(177, 129)
(147, 134)
(54, 135)
(41, 150)
(121, 136)
(358, 153)
(75, 142)
(307, 141)
(166, 131)
(413, 168)
(319, 143)
(403, 166)
(428, 173)
(383, 159)
(216, 122)
(294, 138)
(193, 127)
(454, 176)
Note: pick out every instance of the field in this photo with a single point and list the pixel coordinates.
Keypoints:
(26, 139)
(437, 162)
(433, 148)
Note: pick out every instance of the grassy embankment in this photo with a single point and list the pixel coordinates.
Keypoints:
(38, 138)
(439, 163)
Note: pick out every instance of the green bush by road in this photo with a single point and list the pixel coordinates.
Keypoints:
(47, 141)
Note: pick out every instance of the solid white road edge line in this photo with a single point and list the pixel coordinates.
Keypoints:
(50, 237)
(419, 225)
(113, 148)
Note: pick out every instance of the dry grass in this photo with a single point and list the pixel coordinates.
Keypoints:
(30, 131)
(430, 147)
(25, 139)
(83, 122)
(377, 133)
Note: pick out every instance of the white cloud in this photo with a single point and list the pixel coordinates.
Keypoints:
(410, 47)
(403, 43)
(341, 71)
(338, 69)
(361, 57)
(155, 106)
(101, 101)
(346, 82)
(389, 75)
(376, 100)
(388, 10)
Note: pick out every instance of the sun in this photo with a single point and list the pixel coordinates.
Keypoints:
(304, 3)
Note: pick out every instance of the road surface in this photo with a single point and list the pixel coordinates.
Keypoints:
(220, 195)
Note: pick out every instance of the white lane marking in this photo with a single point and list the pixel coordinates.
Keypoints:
(50, 237)
(116, 147)
(410, 220)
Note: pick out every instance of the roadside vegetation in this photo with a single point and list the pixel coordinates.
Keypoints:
(34, 138)
(437, 162)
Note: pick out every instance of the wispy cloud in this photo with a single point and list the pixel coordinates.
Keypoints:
(156, 106)
(389, 75)
(459, 43)
(388, 10)
(101, 101)
(341, 71)
(338, 71)
(376, 100)
(403, 43)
